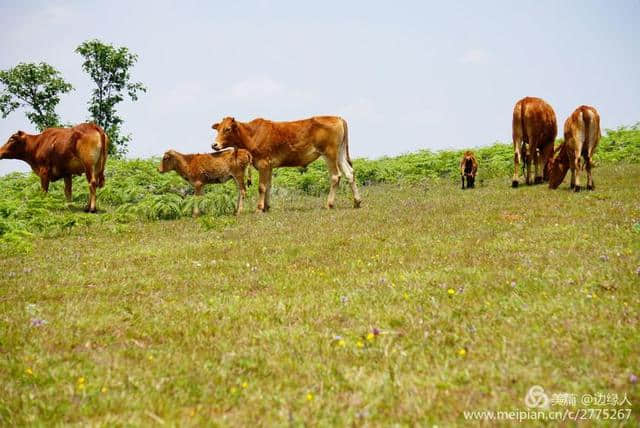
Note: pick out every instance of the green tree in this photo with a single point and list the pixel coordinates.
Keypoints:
(37, 89)
(109, 68)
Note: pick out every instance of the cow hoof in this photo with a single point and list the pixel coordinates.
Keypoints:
(357, 203)
(576, 189)
(538, 180)
(514, 184)
(591, 187)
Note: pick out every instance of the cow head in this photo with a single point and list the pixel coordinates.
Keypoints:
(15, 146)
(558, 168)
(227, 134)
(168, 162)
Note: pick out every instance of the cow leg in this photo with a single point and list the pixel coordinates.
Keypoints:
(242, 192)
(334, 180)
(93, 184)
(44, 180)
(573, 179)
(462, 176)
(67, 188)
(263, 186)
(267, 196)
(539, 160)
(575, 171)
(347, 170)
(588, 166)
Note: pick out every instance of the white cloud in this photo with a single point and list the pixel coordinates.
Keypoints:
(474, 56)
(257, 87)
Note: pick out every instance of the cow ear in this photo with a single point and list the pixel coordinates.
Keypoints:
(215, 126)
(20, 133)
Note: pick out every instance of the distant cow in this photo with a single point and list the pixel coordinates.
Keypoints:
(290, 144)
(468, 169)
(219, 167)
(581, 137)
(62, 153)
(534, 133)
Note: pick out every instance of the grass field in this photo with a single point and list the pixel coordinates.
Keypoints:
(427, 302)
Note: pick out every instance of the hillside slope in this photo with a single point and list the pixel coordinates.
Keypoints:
(427, 302)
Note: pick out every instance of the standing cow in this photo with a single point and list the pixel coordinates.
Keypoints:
(62, 153)
(581, 137)
(205, 168)
(291, 144)
(468, 169)
(534, 131)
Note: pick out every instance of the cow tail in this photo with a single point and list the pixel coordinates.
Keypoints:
(345, 141)
(103, 158)
(525, 140)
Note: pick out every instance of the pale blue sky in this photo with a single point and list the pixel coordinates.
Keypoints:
(405, 75)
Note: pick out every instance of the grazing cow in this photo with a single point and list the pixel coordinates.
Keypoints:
(290, 144)
(468, 169)
(581, 137)
(62, 153)
(534, 132)
(219, 167)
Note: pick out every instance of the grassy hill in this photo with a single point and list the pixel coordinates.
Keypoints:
(427, 302)
(136, 192)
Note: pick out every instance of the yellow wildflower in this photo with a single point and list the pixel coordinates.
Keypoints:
(341, 343)
(451, 291)
(360, 344)
(104, 389)
(462, 352)
(309, 396)
(245, 385)
(29, 371)
(370, 337)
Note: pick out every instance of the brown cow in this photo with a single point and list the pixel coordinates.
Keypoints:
(468, 169)
(581, 137)
(62, 153)
(534, 127)
(290, 144)
(219, 167)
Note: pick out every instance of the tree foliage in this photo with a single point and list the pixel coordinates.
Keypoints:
(109, 68)
(37, 89)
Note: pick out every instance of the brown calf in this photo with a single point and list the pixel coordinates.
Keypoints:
(534, 127)
(286, 144)
(468, 169)
(581, 137)
(218, 167)
(62, 153)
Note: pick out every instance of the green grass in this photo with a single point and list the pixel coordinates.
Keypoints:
(259, 320)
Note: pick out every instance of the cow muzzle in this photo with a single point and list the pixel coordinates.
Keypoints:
(217, 147)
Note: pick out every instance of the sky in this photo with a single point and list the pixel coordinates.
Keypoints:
(405, 75)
